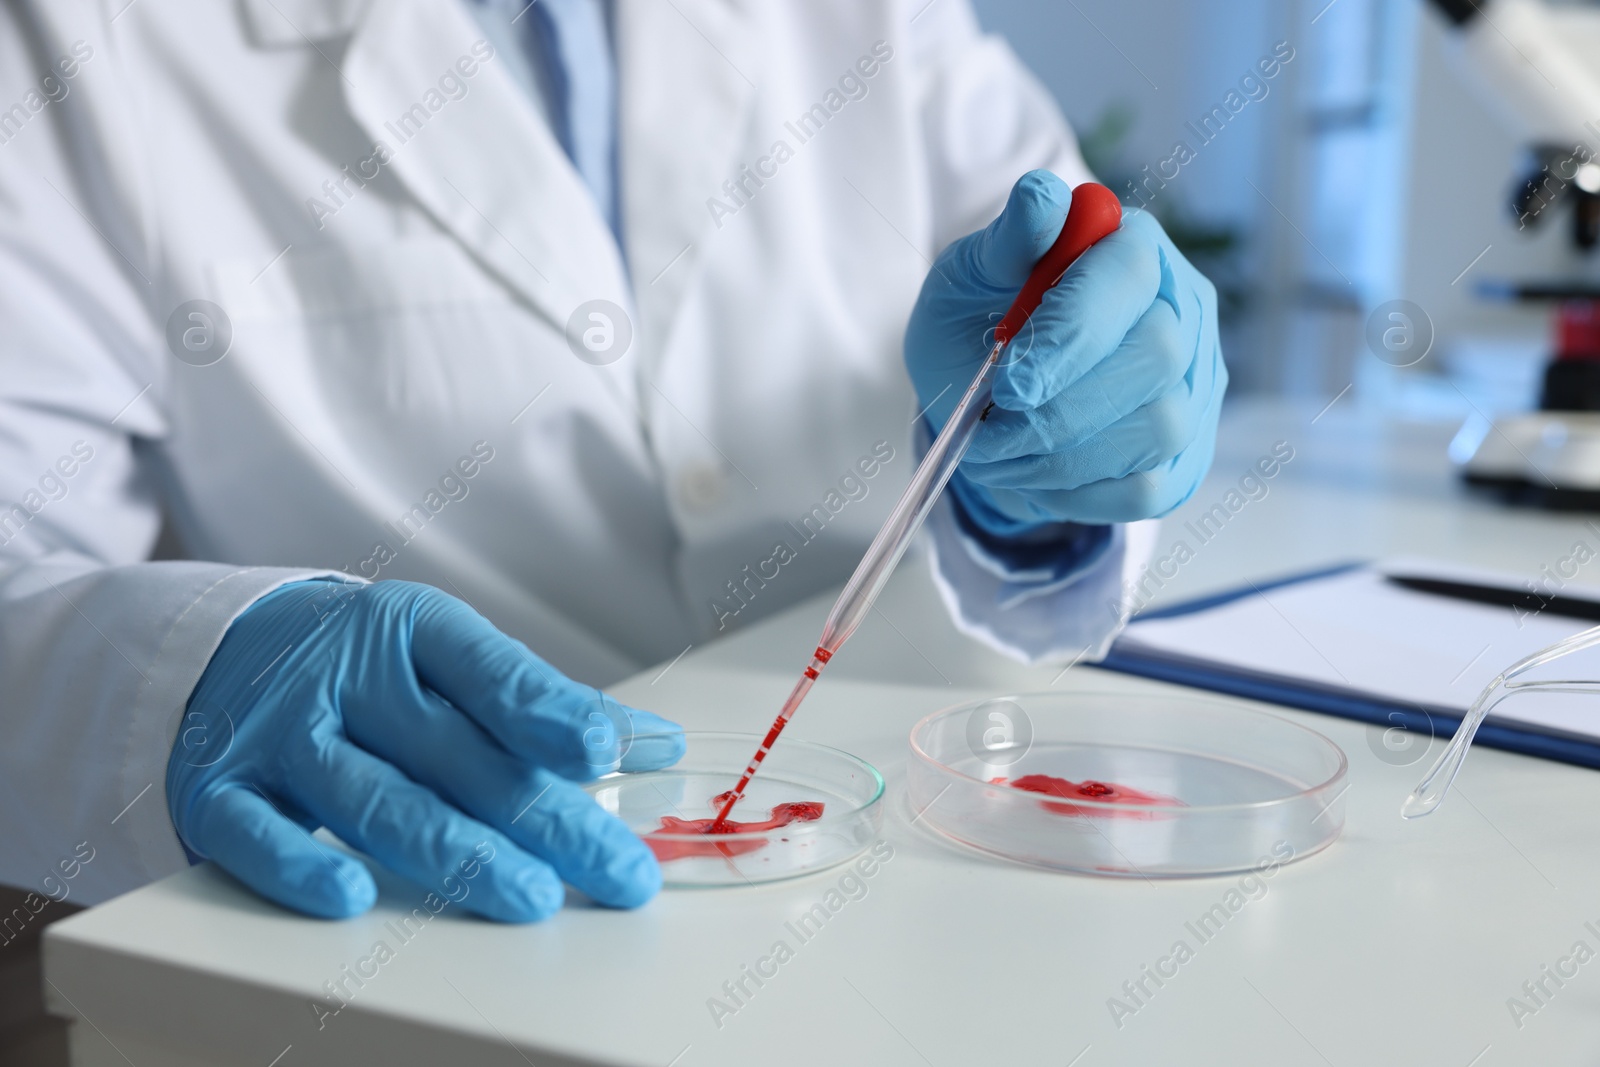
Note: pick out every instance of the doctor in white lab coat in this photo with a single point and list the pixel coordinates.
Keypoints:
(303, 289)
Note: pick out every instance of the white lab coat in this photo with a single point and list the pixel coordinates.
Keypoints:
(390, 334)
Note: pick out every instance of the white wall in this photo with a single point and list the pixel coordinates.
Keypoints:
(1437, 189)
(1188, 54)
(1172, 61)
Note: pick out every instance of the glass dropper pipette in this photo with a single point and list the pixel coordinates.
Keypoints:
(1430, 792)
(1093, 213)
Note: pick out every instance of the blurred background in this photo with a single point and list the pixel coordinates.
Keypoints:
(1373, 168)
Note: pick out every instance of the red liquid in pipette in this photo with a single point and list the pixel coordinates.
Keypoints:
(1099, 792)
(819, 660)
(665, 844)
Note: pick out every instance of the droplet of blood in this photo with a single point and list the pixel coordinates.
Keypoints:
(668, 844)
(1101, 793)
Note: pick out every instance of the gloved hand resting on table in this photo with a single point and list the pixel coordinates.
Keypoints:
(1106, 404)
(403, 721)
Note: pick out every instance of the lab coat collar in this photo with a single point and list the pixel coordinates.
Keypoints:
(687, 72)
(294, 23)
(494, 176)
(485, 166)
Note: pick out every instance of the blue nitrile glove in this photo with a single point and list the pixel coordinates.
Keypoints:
(403, 721)
(1106, 403)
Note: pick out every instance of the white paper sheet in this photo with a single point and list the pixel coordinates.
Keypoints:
(1360, 633)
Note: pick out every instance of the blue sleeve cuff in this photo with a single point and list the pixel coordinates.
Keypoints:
(1046, 552)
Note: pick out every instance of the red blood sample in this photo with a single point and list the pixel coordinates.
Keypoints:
(666, 845)
(1099, 792)
(730, 798)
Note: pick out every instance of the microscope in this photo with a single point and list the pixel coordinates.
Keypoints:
(1538, 64)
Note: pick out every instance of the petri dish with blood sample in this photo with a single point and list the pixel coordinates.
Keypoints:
(810, 808)
(1127, 785)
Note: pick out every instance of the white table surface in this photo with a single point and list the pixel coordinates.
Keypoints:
(1399, 944)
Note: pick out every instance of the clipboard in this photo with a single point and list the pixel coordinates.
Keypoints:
(1566, 739)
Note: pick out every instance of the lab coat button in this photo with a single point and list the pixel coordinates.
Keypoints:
(702, 486)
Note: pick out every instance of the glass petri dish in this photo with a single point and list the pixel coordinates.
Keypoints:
(850, 791)
(1195, 786)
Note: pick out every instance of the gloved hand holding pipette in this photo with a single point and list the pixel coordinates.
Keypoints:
(1052, 250)
(1106, 404)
